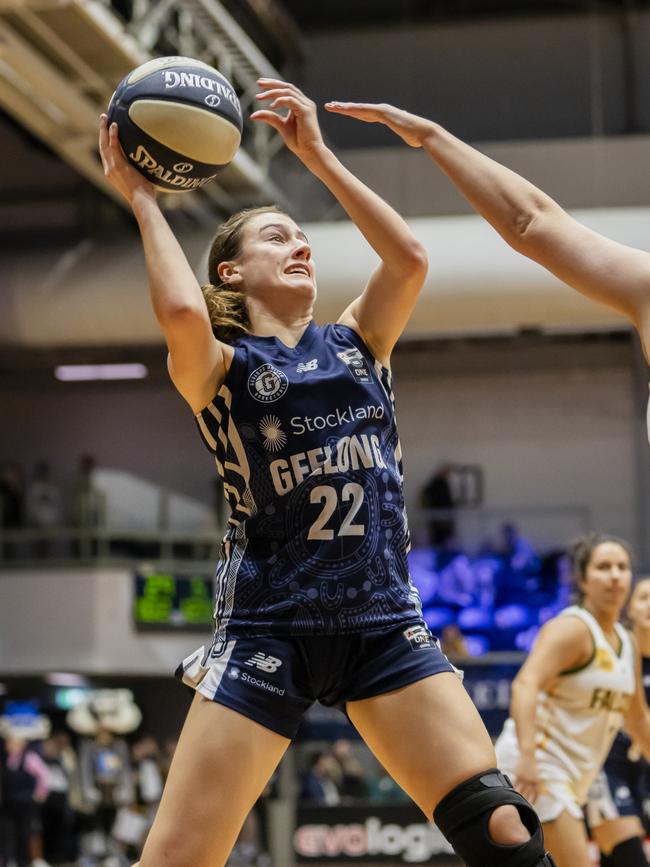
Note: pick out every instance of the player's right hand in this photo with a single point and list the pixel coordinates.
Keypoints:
(409, 127)
(119, 173)
(526, 778)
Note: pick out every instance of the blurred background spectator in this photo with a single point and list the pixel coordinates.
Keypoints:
(437, 494)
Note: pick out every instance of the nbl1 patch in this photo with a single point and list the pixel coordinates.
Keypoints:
(356, 364)
(266, 383)
(419, 637)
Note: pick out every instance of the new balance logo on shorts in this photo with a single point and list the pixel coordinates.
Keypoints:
(269, 664)
(306, 366)
(418, 637)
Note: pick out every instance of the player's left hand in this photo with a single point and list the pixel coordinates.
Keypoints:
(299, 127)
(409, 127)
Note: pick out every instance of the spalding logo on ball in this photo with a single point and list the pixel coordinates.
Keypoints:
(179, 122)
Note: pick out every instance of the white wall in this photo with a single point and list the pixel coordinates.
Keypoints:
(81, 621)
(563, 436)
(552, 423)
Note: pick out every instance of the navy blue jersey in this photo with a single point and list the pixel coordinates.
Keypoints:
(306, 444)
(623, 742)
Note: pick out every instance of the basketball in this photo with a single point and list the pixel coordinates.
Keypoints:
(179, 122)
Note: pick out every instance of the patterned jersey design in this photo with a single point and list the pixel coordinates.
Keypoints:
(622, 746)
(306, 444)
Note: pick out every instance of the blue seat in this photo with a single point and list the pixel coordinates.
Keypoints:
(475, 619)
(437, 618)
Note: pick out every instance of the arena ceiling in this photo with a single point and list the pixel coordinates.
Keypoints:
(51, 192)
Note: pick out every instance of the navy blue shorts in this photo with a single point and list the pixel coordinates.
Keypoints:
(274, 680)
(620, 789)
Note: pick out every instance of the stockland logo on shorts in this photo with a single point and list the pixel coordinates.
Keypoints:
(266, 383)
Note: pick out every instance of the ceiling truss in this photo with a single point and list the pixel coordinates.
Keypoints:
(60, 61)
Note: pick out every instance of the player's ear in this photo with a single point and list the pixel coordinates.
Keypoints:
(229, 273)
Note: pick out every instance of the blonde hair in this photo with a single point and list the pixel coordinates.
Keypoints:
(226, 306)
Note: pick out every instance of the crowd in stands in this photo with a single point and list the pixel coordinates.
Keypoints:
(492, 599)
(87, 805)
(89, 800)
(346, 773)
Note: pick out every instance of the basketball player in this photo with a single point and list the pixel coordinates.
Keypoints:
(314, 599)
(529, 220)
(615, 805)
(571, 696)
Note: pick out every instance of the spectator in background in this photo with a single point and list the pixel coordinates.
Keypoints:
(519, 572)
(352, 784)
(88, 506)
(87, 498)
(518, 551)
(59, 845)
(463, 583)
(24, 785)
(43, 505)
(321, 784)
(453, 642)
(12, 501)
(437, 494)
(145, 755)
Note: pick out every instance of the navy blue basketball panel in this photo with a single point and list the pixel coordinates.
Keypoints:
(157, 163)
(306, 443)
(188, 84)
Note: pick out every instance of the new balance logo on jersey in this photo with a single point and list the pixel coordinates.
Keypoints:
(269, 664)
(305, 367)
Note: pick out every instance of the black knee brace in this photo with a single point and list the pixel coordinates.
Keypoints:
(463, 817)
(629, 853)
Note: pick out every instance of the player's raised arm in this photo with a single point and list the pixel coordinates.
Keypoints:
(383, 309)
(528, 219)
(196, 359)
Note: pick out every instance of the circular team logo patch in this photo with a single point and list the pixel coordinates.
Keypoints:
(267, 384)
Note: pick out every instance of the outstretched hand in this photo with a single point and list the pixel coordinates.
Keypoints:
(299, 127)
(119, 173)
(409, 127)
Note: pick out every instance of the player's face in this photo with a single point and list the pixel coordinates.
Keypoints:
(639, 606)
(276, 256)
(608, 578)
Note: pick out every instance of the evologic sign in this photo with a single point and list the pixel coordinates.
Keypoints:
(398, 834)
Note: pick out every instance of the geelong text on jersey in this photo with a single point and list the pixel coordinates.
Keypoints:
(349, 453)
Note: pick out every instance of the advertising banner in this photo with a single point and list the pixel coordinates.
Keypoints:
(397, 834)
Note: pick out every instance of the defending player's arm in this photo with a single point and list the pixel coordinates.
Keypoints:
(528, 219)
(563, 644)
(196, 360)
(637, 719)
(383, 309)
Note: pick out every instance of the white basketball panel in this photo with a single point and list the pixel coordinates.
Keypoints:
(192, 132)
(164, 63)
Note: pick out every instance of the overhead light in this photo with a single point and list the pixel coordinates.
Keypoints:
(64, 678)
(85, 372)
